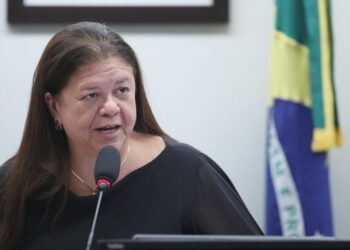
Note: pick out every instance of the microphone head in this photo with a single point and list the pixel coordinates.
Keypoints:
(107, 167)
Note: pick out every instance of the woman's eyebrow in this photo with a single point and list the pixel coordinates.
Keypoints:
(83, 88)
(122, 80)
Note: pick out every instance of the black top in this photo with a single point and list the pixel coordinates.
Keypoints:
(182, 191)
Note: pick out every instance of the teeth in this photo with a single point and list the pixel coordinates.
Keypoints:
(107, 128)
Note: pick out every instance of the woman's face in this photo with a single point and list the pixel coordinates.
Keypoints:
(97, 107)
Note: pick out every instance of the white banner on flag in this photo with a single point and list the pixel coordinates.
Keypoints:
(289, 206)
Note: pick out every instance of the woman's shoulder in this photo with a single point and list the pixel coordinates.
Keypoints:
(182, 149)
(194, 158)
(153, 147)
(182, 159)
(187, 156)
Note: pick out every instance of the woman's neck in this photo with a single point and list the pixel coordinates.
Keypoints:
(82, 180)
(136, 153)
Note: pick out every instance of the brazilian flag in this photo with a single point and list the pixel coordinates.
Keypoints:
(302, 122)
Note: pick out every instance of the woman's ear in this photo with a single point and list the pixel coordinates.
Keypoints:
(51, 104)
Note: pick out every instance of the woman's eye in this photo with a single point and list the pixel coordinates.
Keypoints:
(122, 90)
(90, 96)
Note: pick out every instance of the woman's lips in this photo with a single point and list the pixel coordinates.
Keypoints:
(108, 129)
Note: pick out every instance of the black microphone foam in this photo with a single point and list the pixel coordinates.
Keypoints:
(107, 167)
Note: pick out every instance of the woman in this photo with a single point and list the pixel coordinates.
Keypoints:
(88, 93)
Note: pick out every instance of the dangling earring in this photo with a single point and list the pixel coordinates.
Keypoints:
(58, 125)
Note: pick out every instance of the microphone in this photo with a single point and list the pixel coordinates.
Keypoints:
(106, 172)
(107, 167)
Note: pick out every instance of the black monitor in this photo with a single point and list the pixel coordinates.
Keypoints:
(223, 242)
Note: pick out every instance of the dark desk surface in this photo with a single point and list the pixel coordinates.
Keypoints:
(224, 242)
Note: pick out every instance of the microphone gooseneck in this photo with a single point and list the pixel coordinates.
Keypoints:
(106, 172)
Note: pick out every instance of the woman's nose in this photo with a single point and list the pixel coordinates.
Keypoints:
(110, 107)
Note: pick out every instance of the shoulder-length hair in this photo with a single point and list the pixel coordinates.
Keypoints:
(43, 153)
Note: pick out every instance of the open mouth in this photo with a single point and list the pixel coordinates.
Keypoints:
(108, 129)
